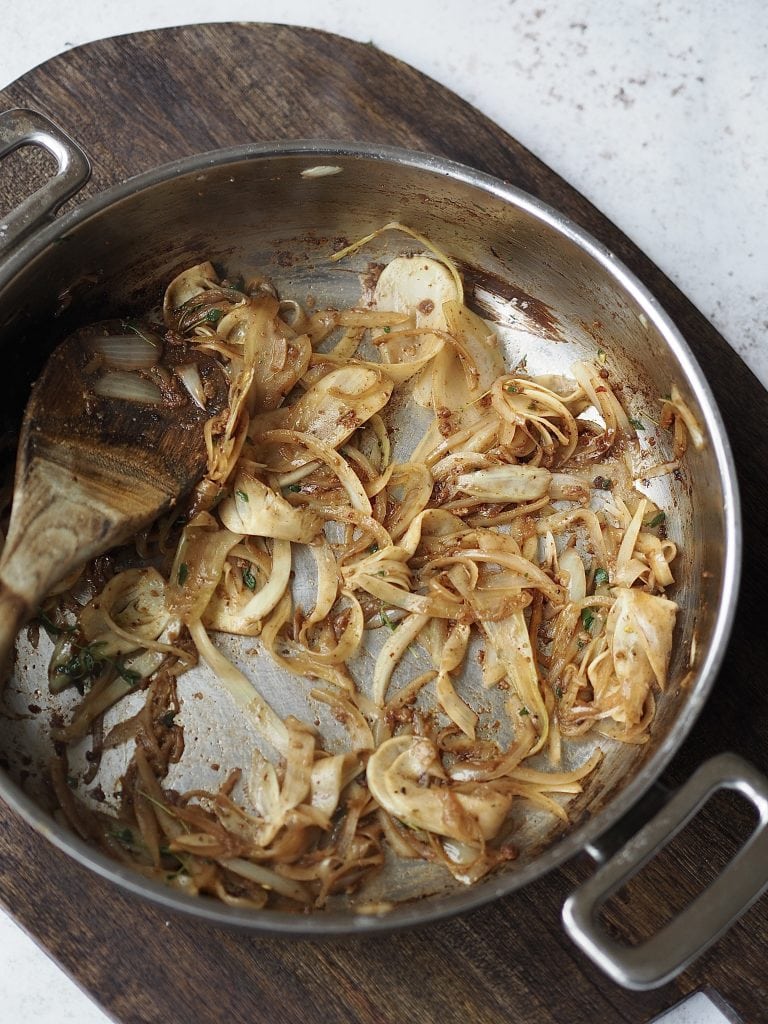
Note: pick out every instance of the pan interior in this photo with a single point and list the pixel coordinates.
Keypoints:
(551, 302)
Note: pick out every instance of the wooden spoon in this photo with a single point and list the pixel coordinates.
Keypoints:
(91, 469)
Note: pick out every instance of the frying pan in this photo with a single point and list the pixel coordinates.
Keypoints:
(555, 295)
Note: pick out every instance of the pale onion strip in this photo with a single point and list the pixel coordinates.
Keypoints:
(396, 596)
(352, 317)
(327, 581)
(396, 226)
(348, 643)
(527, 571)
(560, 521)
(189, 375)
(534, 796)
(267, 878)
(241, 689)
(367, 524)
(266, 599)
(126, 351)
(131, 589)
(473, 438)
(454, 650)
(502, 518)
(660, 469)
(349, 343)
(452, 704)
(293, 656)
(572, 563)
(397, 372)
(603, 398)
(348, 479)
(391, 653)
(122, 384)
(377, 425)
(512, 643)
(467, 362)
(350, 717)
(430, 440)
(556, 780)
(295, 476)
(628, 543)
(684, 410)
(95, 703)
(377, 485)
(418, 484)
(409, 692)
(203, 550)
(485, 771)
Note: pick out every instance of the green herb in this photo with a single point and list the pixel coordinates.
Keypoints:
(524, 711)
(637, 424)
(381, 572)
(242, 495)
(581, 643)
(72, 781)
(603, 483)
(513, 389)
(88, 661)
(601, 576)
(587, 618)
(123, 835)
(183, 573)
(657, 520)
(388, 622)
(168, 719)
(387, 330)
(51, 627)
(559, 692)
(293, 488)
(82, 664)
(373, 549)
(249, 579)
(128, 675)
(601, 357)
(214, 315)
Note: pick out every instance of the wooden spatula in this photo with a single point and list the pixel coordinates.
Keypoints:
(93, 466)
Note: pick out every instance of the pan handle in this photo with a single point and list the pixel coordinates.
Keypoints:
(743, 881)
(20, 127)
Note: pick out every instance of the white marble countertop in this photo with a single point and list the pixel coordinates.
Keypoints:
(654, 109)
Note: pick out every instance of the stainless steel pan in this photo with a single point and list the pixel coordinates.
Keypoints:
(556, 295)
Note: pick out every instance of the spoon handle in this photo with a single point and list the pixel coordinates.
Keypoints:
(56, 525)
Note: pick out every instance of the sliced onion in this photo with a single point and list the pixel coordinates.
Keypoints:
(571, 561)
(127, 351)
(128, 386)
(190, 378)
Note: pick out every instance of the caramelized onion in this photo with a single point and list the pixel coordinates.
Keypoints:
(190, 378)
(128, 386)
(127, 351)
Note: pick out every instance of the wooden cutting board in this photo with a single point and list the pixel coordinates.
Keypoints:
(141, 100)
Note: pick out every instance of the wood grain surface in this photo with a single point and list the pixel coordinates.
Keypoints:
(140, 100)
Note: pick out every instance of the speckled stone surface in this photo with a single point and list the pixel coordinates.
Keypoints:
(657, 111)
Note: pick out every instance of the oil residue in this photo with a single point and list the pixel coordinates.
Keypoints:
(540, 316)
